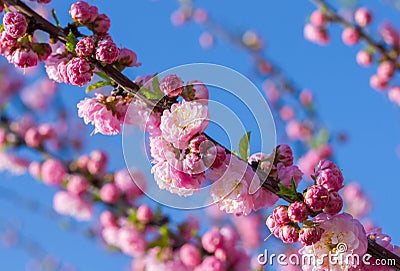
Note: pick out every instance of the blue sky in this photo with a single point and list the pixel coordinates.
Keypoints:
(344, 100)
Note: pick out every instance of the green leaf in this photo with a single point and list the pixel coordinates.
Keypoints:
(244, 146)
(1, 27)
(71, 43)
(97, 85)
(102, 75)
(6, 7)
(321, 138)
(53, 13)
(285, 191)
(156, 84)
(150, 94)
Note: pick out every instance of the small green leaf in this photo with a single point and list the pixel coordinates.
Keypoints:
(53, 13)
(133, 216)
(294, 185)
(150, 94)
(156, 84)
(6, 7)
(285, 191)
(244, 146)
(102, 75)
(71, 43)
(97, 85)
(1, 27)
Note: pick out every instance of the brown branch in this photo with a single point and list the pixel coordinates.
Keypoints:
(270, 184)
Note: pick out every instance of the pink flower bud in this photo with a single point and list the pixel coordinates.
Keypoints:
(109, 193)
(309, 236)
(35, 169)
(85, 47)
(171, 85)
(6, 43)
(335, 203)
(280, 215)
(297, 211)
(33, 137)
(128, 58)
(190, 255)
(350, 36)
(212, 240)
(316, 34)
(15, 24)
(378, 83)
(53, 172)
(316, 197)
(200, 15)
(131, 241)
(318, 18)
(196, 90)
(107, 51)
(196, 142)
(107, 219)
(77, 184)
(212, 263)
(364, 58)
(286, 113)
(24, 58)
(289, 234)
(386, 69)
(394, 95)
(272, 225)
(79, 72)
(102, 24)
(329, 175)
(306, 97)
(83, 13)
(284, 155)
(62, 71)
(363, 17)
(97, 163)
(389, 34)
(144, 214)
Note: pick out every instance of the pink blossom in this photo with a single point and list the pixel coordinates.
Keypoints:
(350, 36)
(130, 185)
(272, 225)
(316, 197)
(6, 43)
(363, 17)
(110, 235)
(286, 174)
(196, 90)
(34, 169)
(271, 91)
(280, 215)
(211, 263)
(377, 82)
(190, 255)
(97, 162)
(107, 51)
(12, 163)
(33, 138)
(286, 113)
(309, 161)
(284, 154)
(39, 94)
(183, 121)
(389, 34)
(364, 58)
(230, 189)
(338, 229)
(144, 214)
(171, 85)
(214, 157)
(102, 24)
(15, 24)
(310, 236)
(335, 203)
(24, 58)
(306, 97)
(131, 241)
(79, 72)
(386, 69)
(139, 114)
(103, 118)
(109, 193)
(128, 58)
(85, 47)
(107, 219)
(200, 15)
(297, 211)
(394, 95)
(206, 40)
(212, 240)
(53, 172)
(329, 175)
(248, 229)
(316, 34)
(297, 131)
(83, 13)
(289, 234)
(318, 18)
(67, 204)
(77, 184)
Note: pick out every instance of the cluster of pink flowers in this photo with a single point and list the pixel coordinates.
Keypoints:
(315, 30)
(322, 196)
(17, 45)
(217, 251)
(105, 113)
(232, 180)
